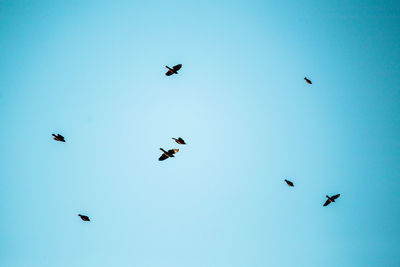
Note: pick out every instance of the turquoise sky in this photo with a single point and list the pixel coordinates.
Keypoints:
(93, 71)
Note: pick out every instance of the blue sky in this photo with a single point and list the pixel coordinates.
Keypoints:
(94, 72)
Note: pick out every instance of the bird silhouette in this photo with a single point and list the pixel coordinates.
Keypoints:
(331, 199)
(179, 141)
(307, 80)
(84, 218)
(289, 183)
(58, 137)
(168, 154)
(174, 69)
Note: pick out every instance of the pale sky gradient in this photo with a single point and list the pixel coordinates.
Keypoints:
(93, 71)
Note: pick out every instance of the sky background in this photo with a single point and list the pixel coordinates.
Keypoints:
(93, 71)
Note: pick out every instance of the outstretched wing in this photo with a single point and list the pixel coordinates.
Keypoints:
(327, 202)
(163, 157)
(335, 196)
(177, 67)
(169, 73)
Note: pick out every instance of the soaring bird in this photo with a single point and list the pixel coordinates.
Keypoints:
(179, 141)
(331, 199)
(174, 69)
(58, 137)
(307, 80)
(84, 218)
(168, 154)
(289, 183)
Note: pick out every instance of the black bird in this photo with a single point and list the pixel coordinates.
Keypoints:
(84, 218)
(331, 199)
(307, 80)
(174, 69)
(58, 137)
(179, 141)
(289, 183)
(168, 154)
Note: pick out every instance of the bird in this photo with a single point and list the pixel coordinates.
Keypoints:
(179, 141)
(84, 218)
(289, 183)
(174, 69)
(58, 137)
(168, 154)
(331, 199)
(307, 80)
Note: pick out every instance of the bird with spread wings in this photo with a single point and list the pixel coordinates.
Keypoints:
(173, 70)
(168, 154)
(180, 141)
(331, 199)
(58, 137)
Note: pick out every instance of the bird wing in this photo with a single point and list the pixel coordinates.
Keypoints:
(335, 196)
(177, 67)
(181, 140)
(327, 202)
(169, 73)
(163, 157)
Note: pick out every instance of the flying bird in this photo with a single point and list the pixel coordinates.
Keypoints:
(58, 137)
(179, 141)
(331, 199)
(307, 80)
(289, 183)
(174, 69)
(84, 218)
(168, 154)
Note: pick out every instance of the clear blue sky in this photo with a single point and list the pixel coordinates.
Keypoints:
(94, 72)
